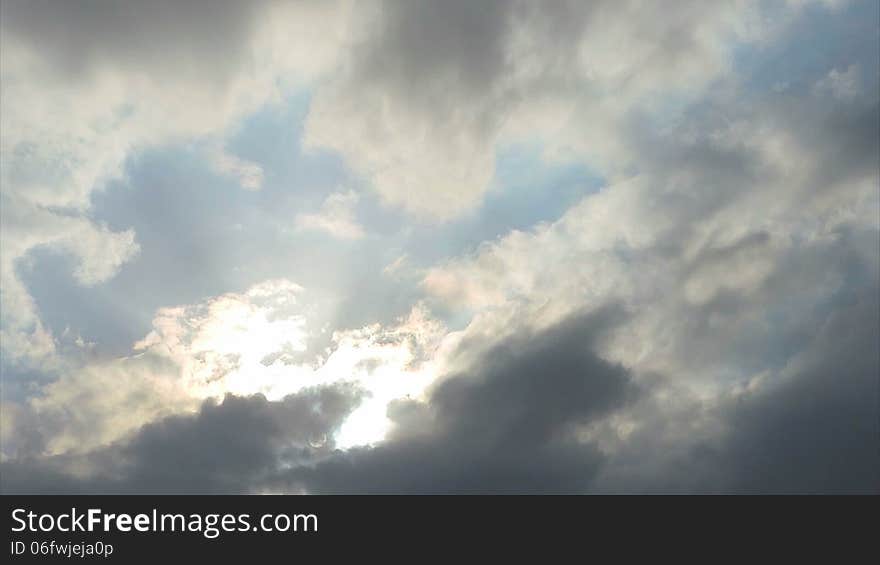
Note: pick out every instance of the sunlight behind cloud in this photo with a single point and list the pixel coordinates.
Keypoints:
(255, 342)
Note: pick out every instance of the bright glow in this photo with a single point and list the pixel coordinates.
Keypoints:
(255, 342)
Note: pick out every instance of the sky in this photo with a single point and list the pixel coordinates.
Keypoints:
(439, 247)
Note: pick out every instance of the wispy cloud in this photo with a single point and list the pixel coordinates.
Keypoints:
(336, 216)
(248, 173)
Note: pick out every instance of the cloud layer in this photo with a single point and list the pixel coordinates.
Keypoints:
(306, 215)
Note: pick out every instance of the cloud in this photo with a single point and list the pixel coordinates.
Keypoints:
(543, 413)
(843, 85)
(98, 252)
(137, 77)
(538, 412)
(393, 268)
(336, 217)
(810, 427)
(505, 425)
(742, 250)
(816, 429)
(705, 321)
(260, 341)
(434, 87)
(74, 39)
(248, 173)
(415, 96)
(730, 221)
(224, 447)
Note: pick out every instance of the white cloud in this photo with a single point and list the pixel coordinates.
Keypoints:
(336, 217)
(240, 343)
(248, 173)
(843, 85)
(745, 219)
(99, 254)
(393, 268)
(414, 96)
(78, 101)
(433, 88)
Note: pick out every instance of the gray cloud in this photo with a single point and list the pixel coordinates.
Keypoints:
(425, 44)
(203, 39)
(224, 448)
(817, 430)
(811, 428)
(506, 425)
(433, 87)
(515, 422)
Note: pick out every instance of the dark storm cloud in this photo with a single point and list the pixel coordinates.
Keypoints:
(812, 427)
(418, 44)
(818, 431)
(466, 46)
(509, 424)
(196, 37)
(505, 425)
(224, 448)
